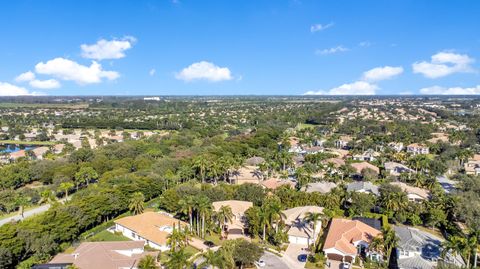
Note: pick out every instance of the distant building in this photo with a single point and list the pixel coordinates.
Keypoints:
(363, 187)
(321, 187)
(396, 146)
(368, 156)
(416, 148)
(414, 194)
(395, 169)
(239, 222)
(152, 98)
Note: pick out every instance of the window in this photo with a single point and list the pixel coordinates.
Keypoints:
(133, 235)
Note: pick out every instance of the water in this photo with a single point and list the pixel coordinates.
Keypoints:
(9, 148)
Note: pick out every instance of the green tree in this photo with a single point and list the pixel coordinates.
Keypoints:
(85, 175)
(224, 216)
(147, 262)
(136, 203)
(313, 218)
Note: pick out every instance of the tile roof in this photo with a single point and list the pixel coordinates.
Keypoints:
(105, 255)
(149, 225)
(344, 232)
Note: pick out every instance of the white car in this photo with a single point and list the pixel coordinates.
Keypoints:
(345, 265)
(261, 263)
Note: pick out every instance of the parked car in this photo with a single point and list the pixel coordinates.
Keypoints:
(302, 258)
(209, 244)
(345, 265)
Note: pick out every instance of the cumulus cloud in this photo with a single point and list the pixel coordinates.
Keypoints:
(438, 90)
(204, 71)
(45, 84)
(152, 72)
(332, 50)
(382, 73)
(444, 64)
(27, 76)
(107, 49)
(354, 88)
(320, 27)
(7, 89)
(69, 70)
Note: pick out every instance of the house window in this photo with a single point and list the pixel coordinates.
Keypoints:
(133, 235)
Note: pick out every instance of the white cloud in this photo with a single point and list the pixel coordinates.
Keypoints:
(320, 27)
(27, 76)
(152, 72)
(69, 70)
(444, 64)
(45, 84)
(7, 89)
(355, 88)
(438, 90)
(365, 44)
(107, 49)
(382, 73)
(331, 50)
(204, 71)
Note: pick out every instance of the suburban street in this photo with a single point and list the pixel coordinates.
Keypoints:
(273, 261)
(29, 213)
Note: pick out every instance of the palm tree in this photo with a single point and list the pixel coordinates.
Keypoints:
(314, 218)
(65, 187)
(147, 262)
(454, 245)
(178, 260)
(22, 201)
(46, 197)
(389, 240)
(204, 207)
(264, 219)
(201, 163)
(186, 207)
(176, 240)
(137, 203)
(210, 259)
(224, 216)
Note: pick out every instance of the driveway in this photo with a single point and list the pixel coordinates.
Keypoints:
(291, 255)
(273, 261)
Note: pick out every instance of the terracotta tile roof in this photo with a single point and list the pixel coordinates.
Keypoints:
(238, 207)
(105, 255)
(149, 225)
(362, 165)
(274, 183)
(344, 232)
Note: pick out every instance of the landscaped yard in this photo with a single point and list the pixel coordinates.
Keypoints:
(107, 236)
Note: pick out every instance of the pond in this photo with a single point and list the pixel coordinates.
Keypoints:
(9, 148)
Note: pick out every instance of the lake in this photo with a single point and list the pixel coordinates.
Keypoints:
(9, 148)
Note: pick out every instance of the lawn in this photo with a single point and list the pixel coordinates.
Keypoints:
(215, 238)
(107, 236)
(301, 126)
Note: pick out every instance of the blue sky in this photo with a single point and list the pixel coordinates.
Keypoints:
(189, 47)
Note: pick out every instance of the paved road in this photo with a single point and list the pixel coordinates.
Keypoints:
(273, 261)
(29, 213)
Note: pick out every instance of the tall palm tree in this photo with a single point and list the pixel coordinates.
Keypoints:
(178, 260)
(264, 220)
(147, 262)
(201, 164)
(137, 203)
(314, 218)
(176, 240)
(204, 207)
(210, 259)
(389, 240)
(224, 216)
(454, 245)
(186, 207)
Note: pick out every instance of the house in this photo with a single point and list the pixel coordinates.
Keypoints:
(236, 227)
(321, 187)
(58, 148)
(421, 250)
(101, 255)
(395, 169)
(447, 184)
(472, 166)
(396, 146)
(151, 227)
(369, 156)
(346, 239)
(363, 187)
(416, 148)
(299, 231)
(414, 194)
(343, 141)
(438, 137)
(39, 152)
(313, 150)
(17, 154)
(254, 161)
(274, 183)
(364, 165)
(247, 174)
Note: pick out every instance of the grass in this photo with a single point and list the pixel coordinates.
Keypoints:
(16, 212)
(302, 126)
(28, 143)
(215, 238)
(107, 236)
